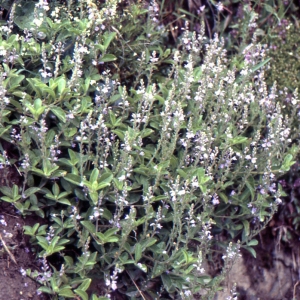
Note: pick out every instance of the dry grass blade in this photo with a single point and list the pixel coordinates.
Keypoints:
(7, 250)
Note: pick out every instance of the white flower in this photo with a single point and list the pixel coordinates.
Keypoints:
(38, 22)
(220, 6)
(122, 178)
(215, 201)
(23, 272)
(114, 285)
(182, 192)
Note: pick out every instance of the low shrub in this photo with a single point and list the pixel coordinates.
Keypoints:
(146, 173)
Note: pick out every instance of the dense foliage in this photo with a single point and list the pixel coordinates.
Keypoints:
(141, 157)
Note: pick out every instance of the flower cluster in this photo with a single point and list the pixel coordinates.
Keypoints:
(148, 162)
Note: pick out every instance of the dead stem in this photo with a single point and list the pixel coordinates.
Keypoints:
(7, 250)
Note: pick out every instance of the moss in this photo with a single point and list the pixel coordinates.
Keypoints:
(285, 53)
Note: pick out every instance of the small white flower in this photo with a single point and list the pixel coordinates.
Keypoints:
(182, 192)
(122, 178)
(114, 285)
(23, 272)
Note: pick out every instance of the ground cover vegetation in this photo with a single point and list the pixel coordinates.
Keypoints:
(146, 158)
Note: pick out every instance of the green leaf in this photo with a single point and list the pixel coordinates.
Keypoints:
(102, 185)
(4, 130)
(50, 196)
(252, 243)
(111, 239)
(143, 171)
(31, 230)
(75, 179)
(120, 134)
(167, 282)
(287, 163)
(62, 241)
(86, 84)
(250, 183)
(37, 104)
(64, 201)
(137, 252)
(110, 232)
(108, 38)
(108, 58)
(58, 221)
(148, 243)
(66, 292)
(7, 199)
(246, 227)
(186, 256)
(189, 269)
(82, 294)
(106, 178)
(42, 242)
(66, 162)
(89, 226)
(251, 250)
(94, 297)
(94, 176)
(59, 112)
(46, 290)
(107, 214)
(69, 132)
(73, 157)
(101, 236)
(48, 92)
(15, 192)
(271, 10)
(50, 137)
(238, 140)
(15, 82)
(69, 261)
(112, 118)
(167, 52)
(146, 132)
(61, 84)
(20, 207)
(6, 191)
(85, 284)
(55, 189)
(158, 198)
(94, 196)
(31, 191)
(100, 47)
(223, 197)
(161, 102)
(202, 178)
(204, 279)
(55, 249)
(261, 64)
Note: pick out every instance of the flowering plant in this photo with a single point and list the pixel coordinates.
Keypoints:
(141, 172)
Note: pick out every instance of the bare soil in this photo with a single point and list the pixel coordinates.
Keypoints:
(273, 275)
(16, 255)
